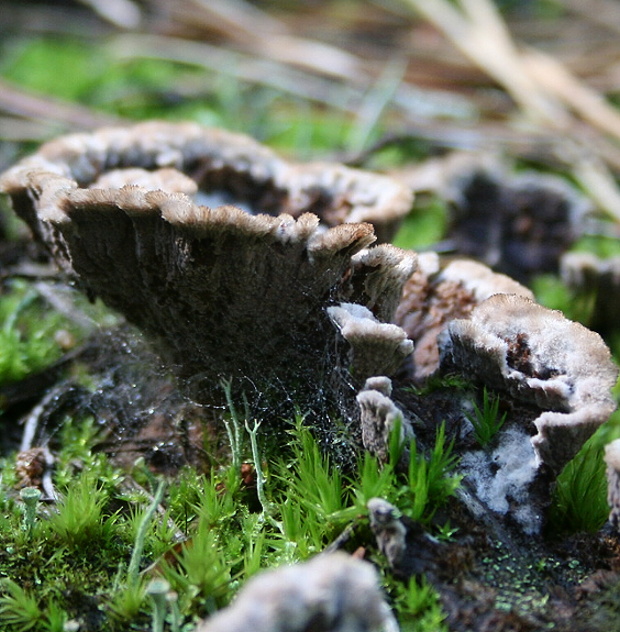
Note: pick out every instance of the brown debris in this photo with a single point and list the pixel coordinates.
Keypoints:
(29, 467)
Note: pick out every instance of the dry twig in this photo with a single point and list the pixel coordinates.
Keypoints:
(542, 87)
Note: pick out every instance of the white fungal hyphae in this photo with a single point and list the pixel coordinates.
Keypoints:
(502, 478)
(332, 593)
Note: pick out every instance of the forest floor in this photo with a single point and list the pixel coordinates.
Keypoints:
(89, 417)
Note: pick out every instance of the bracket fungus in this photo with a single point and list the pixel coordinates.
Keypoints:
(389, 530)
(332, 593)
(559, 370)
(241, 266)
(226, 292)
(379, 415)
(226, 167)
(408, 548)
(376, 347)
(516, 223)
(612, 459)
(543, 359)
(433, 296)
(554, 376)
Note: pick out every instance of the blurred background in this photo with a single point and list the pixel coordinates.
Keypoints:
(386, 85)
(323, 77)
(400, 86)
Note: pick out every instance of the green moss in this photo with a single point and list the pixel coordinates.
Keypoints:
(92, 75)
(20, 609)
(486, 420)
(75, 561)
(518, 584)
(397, 152)
(26, 333)
(580, 494)
(417, 603)
(80, 523)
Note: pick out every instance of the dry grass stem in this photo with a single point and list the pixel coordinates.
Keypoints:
(21, 102)
(479, 33)
(543, 87)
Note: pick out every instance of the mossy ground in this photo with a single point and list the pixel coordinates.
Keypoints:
(70, 565)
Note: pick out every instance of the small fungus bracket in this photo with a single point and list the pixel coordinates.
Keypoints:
(376, 348)
(540, 358)
(379, 415)
(388, 529)
(332, 592)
